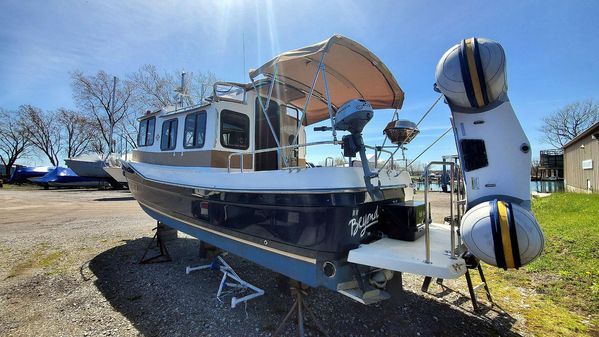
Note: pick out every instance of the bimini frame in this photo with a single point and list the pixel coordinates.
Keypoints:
(357, 73)
(273, 80)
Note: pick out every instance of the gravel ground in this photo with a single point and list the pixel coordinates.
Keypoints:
(69, 267)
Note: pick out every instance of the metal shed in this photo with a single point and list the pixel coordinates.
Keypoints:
(581, 162)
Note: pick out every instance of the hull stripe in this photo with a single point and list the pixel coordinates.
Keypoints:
(231, 237)
(505, 235)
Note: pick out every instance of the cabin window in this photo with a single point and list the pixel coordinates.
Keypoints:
(168, 140)
(145, 137)
(195, 130)
(234, 130)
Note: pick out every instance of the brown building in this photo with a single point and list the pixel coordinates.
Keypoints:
(581, 162)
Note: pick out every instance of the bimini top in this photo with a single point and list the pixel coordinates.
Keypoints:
(352, 71)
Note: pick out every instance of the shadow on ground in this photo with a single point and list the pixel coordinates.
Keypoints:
(129, 198)
(160, 299)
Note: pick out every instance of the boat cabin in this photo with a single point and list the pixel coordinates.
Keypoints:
(232, 121)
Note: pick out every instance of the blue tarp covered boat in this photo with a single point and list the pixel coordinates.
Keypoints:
(65, 177)
(23, 173)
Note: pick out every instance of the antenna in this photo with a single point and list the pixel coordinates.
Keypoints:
(181, 92)
(243, 44)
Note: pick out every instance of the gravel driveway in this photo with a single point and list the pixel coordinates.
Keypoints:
(69, 267)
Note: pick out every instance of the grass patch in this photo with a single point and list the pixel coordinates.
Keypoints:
(39, 259)
(559, 290)
(571, 226)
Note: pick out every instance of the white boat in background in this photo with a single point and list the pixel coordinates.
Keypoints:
(88, 165)
(114, 168)
(95, 165)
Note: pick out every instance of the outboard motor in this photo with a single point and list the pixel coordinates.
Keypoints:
(352, 116)
(498, 226)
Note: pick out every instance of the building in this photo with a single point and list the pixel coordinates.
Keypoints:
(551, 164)
(581, 162)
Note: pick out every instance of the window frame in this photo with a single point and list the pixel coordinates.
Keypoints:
(196, 115)
(169, 122)
(148, 142)
(247, 129)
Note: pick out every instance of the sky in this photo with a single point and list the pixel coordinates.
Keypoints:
(552, 48)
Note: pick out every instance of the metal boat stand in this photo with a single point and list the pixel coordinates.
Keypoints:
(299, 291)
(471, 263)
(219, 263)
(163, 256)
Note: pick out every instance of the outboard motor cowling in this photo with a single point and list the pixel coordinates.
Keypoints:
(352, 116)
(495, 155)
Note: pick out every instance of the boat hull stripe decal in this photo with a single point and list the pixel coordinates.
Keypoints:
(505, 235)
(466, 79)
(231, 237)
(474, 75)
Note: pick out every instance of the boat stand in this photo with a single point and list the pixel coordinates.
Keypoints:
(474, 264)
(299, 291)
(219, 264)
(163, 256)
(473, 289)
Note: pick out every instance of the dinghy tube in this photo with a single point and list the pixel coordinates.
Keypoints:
(498, 227)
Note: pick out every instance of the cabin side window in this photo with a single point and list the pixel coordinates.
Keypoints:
(145, 137)
(168, 139)
(234, 130)
(195, 130)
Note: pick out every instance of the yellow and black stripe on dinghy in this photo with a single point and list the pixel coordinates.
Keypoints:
(473, 75)
(505, 239)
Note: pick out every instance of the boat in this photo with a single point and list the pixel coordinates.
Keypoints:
(88, 165)
(92, 165)
(114, 168)
(65, 177)
(233, 172)
(22, 173)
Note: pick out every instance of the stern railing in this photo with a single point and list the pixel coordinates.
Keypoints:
(427, 217)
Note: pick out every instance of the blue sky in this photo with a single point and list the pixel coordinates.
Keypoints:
(552, 47)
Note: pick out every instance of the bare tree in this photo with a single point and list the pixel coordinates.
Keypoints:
(128, 130)
(339, 161)
(535, 168)
(107, 99)
(153, 89)
(13, 141)
(43, 130)
(78, 131)
(201, 86)
(156, 90)
(416, 168)
(565, 124)
(98, 145)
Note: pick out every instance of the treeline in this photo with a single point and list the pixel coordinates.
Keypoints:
(107, 108)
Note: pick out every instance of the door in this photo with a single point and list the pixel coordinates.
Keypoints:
(264, 138)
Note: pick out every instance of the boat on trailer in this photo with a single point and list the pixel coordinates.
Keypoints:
(232, 172)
